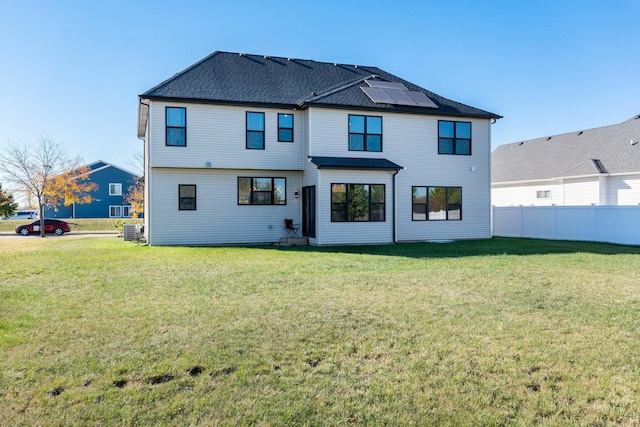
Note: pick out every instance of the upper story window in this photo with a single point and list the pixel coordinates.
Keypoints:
(176, 121)
(365, 133)
(262, 191)
(357, 202)
(454, 137)
(115, 189)
(543, 194)
(285, 127)
(186, 197)
(437, 203)
(255, 130)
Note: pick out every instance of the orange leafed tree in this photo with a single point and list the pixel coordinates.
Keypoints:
(71, 186)
(44, 172)
(135, 197)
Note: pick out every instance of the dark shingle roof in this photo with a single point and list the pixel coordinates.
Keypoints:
(232, 78)
(353, 163)
(607, 149)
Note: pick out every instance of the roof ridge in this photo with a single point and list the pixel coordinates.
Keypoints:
(290, 58)
(580, 132)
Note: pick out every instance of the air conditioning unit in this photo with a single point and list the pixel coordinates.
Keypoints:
(131, 232)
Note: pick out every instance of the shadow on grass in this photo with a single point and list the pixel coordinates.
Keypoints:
(467, 248)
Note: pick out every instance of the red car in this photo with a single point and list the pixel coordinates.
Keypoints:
(50, 226)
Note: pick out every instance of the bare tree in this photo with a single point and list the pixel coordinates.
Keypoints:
(137, 163)
(33, 167)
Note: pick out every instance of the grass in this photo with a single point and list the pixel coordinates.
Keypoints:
(77, 224)
(497, 332)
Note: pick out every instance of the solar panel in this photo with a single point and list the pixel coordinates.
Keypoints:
(377, 95)
(421, 99)
(400, 97)
(386, 85)
(393, 93)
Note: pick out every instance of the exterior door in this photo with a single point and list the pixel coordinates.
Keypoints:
(309, 211)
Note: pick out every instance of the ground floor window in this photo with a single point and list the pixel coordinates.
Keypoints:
(543, 194)
(437, 203)
(115, 211)
(357, 202)
(119, 211)
(262, 191)
(186, 197)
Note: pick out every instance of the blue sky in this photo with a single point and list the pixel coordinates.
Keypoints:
(72, 70)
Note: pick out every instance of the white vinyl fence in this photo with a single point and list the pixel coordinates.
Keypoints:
(613, 224)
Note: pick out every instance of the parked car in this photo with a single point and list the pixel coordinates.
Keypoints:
(50, 226)
(25, 214)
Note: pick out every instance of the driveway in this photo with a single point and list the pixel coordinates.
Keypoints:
(71, 235)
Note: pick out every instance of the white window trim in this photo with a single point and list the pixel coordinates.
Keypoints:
(128, 208)
(119, 209)
(117, 187)
(543, 194)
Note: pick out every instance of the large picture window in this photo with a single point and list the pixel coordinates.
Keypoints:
(365, 133)
(187, 197)
(285, 127)
(357, 202)
(176, 121)
(255, 130)
(262, 191)
(437, 203)
(454, 137)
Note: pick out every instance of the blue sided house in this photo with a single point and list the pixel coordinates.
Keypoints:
(108, 199)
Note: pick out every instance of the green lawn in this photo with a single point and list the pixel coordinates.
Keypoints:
(97, 331)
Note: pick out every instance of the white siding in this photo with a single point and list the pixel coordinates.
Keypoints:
(339, 233)
(581, 191)
(412, 142)
(217, 134)
(624, 190)
(416, 140)
(218, 218)
(526, 195)
(599, 190)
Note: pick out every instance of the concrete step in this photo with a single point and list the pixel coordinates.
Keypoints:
(292, 241)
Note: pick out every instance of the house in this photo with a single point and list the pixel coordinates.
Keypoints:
(237, 143)
(599, 166)
(108, 198)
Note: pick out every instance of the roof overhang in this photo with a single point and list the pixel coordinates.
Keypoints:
(303, 105)
(354, 163)
(143, 117)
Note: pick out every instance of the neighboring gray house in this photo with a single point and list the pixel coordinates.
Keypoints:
(236, 143)
(599, 166)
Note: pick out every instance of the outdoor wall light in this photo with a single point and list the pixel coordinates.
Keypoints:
(296, 193)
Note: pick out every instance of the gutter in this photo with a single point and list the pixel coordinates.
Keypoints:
(559, 178)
